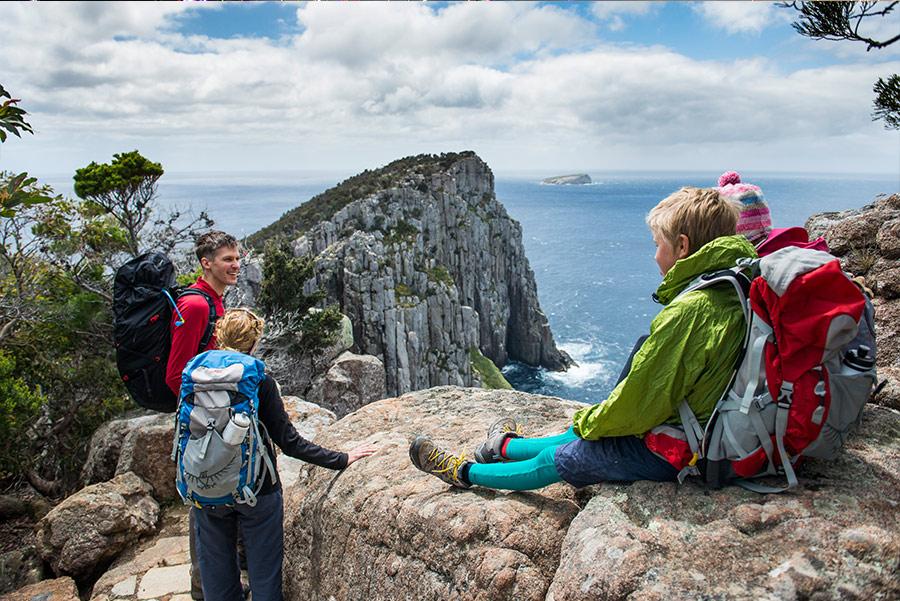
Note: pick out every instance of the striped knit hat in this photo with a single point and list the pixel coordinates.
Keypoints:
(755, 222)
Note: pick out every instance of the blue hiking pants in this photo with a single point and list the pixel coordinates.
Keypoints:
(263, 531)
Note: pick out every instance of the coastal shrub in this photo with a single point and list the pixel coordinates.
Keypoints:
(491, 377)
(402, 232)
(20, 406)
(294, 318)
(440, 275)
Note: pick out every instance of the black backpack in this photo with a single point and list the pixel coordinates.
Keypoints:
(144, 294)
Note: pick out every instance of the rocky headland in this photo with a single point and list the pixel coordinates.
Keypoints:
(577, 179)
(428, 267)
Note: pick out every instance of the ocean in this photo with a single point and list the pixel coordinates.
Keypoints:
(590, 250)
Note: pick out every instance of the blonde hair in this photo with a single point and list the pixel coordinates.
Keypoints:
(239, 330)
(701, 214)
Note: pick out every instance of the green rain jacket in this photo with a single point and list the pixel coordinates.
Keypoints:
(690, 353)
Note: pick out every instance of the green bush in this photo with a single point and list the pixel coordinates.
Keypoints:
(20, 406)
(491, 376)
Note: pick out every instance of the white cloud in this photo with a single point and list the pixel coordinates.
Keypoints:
(612, 13)
(741, 17)
(604, 10)
(522, 83)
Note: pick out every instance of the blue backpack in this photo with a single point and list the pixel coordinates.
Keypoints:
(218, 449)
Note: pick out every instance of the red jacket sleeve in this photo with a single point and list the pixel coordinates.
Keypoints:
(186, 337)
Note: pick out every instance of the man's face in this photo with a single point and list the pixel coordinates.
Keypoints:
(224, 267)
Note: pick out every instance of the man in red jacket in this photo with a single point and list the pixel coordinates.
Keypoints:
(219, 256)
(220, 260)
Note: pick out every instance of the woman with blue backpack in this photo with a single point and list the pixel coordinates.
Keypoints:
(230, 412)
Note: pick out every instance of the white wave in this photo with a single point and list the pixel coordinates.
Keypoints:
(576, 350)
(581, 374)
(585, 371)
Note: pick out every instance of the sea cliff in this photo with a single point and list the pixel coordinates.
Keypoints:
(428, 265)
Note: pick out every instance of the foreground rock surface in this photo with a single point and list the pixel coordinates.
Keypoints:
(867, 241)
(59, 589)
(835, 538)
(94, 525)
(383, 530)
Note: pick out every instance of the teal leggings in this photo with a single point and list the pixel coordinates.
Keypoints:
(532, 464)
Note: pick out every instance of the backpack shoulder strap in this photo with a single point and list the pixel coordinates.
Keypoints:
(211, 322)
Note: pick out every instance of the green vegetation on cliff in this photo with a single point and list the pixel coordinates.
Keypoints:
(323, 206)
(491, 377)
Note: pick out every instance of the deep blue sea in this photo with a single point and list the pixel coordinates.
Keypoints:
(591, 253)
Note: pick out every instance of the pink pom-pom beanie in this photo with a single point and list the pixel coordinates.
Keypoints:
(755, 221)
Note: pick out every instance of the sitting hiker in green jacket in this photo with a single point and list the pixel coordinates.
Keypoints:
(689, 355)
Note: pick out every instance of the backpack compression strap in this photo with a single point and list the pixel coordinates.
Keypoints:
(211, 322)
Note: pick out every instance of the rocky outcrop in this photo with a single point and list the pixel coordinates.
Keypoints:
(428, 265)
(141, 445)
(351, 382)
(309, 419)
(146, 452)
(382, 530)
(578, 179)
(60, 589)
(835, 538)
(300, 375)
(106, 447)
(867, 241)
(91, 527)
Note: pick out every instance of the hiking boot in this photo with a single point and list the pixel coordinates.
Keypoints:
(489, 450)
(433, 460)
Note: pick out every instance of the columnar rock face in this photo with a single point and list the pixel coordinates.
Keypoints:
(383, 530)
(92, 526)
(867, 241)
(428, 268)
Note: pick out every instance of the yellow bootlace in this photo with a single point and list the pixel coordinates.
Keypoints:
(518, 430)
(446, 462)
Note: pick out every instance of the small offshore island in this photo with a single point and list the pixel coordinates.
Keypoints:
(578, 179)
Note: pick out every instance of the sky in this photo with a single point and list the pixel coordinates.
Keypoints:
(345, 86)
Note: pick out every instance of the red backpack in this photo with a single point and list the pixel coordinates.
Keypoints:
(806, 370)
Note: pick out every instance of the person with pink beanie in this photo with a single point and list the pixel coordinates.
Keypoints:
(755, 222)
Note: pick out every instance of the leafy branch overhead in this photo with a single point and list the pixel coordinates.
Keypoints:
(840, 21)
(16, 191)
(12, 118)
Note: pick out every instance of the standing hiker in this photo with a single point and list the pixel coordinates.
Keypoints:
(229, 498)
(219, 256)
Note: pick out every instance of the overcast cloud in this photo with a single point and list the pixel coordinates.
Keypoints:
(527, 86)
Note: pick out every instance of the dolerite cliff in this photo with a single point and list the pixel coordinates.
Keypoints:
(428, 265)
